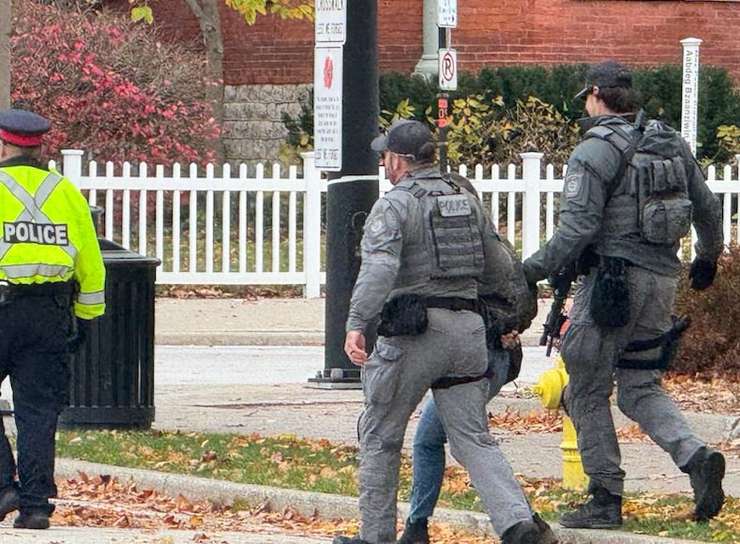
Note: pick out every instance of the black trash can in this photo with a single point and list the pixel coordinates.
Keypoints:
(112, 377)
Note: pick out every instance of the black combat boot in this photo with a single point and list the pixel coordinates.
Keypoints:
(524, 532)
(706, 470)
(9, 501)
(603, 511)
(348, 540)
(32, 520)
(415, 532)
(547, 536)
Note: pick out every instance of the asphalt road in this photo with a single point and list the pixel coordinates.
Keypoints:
(268, 365)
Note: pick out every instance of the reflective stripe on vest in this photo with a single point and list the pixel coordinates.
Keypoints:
(19, 271)
(33, 205)
(90, 299)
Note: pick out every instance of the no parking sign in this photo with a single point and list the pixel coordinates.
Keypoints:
(448, 69)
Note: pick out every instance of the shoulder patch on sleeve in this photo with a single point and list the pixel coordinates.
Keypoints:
(573, 184)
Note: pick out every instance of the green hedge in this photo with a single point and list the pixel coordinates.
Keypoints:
(660, 87)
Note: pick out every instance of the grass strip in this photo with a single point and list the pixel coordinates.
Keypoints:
(322, 466)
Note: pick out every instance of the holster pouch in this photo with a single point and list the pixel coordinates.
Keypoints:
(404, 315)
(610, 300)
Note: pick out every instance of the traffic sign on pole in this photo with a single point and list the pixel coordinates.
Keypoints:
(448, 69)
(327, 100)
(447, 13)
(331, 21)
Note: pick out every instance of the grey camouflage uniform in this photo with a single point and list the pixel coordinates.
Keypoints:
(396, 259)
(596, 211)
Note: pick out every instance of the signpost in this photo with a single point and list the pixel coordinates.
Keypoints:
(690, 99)
(446, 21)
(345, 122)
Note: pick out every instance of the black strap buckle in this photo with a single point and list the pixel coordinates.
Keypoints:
(4, 293)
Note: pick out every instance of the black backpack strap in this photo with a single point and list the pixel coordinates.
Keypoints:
(624, 142)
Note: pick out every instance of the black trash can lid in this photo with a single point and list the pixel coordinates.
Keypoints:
(114, 254)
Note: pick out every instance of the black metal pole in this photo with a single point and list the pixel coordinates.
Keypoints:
(353, 191)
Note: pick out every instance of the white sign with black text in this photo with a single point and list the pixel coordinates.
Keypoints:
(690, 94)
(327, 108)
(331, 21)
(448, 69)
(447, 13)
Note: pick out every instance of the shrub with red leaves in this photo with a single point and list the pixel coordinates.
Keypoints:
(99, 78)
(712, 343)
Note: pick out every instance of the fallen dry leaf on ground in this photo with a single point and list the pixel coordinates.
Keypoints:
(536, 421)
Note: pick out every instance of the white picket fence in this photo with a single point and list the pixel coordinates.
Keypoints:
(215, 230)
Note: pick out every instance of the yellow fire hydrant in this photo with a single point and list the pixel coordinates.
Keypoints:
(550, 390)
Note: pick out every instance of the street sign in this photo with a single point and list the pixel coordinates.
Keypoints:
(327, 108)
(448, 69)
(331, 21)
(447, 13)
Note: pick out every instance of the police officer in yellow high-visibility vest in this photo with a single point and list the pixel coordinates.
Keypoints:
(51, 271)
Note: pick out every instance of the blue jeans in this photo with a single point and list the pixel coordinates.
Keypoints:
(429, 445)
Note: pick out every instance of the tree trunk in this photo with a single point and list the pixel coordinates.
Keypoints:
(206, 11)
(5, 21)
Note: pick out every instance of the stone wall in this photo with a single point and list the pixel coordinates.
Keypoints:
(253, 128)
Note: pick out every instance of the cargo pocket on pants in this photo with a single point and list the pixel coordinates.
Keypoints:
(381, 373)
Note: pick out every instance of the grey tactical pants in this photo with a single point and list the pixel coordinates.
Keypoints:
(590, 355)
(395, 379)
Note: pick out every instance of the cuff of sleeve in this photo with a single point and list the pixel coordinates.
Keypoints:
(355, 324)
(89, 311)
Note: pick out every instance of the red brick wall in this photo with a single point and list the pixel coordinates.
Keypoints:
(490, 33)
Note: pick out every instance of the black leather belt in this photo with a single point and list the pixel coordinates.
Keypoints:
(9, 291)
(456, 304)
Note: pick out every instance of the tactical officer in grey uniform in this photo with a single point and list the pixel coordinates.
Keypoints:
(631, 192)
(424, 247)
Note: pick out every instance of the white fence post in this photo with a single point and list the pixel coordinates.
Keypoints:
(531, 203)
(72, 165)
(312, 227)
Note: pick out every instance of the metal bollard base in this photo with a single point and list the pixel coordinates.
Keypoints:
(336, 378)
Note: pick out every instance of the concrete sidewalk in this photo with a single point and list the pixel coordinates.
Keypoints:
(262, 322)
(96, 535)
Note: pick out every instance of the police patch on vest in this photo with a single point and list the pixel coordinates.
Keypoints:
(26, 232)
(453, 206)
(572, 185)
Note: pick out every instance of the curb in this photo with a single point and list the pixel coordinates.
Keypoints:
(242, 338)
(320, 504)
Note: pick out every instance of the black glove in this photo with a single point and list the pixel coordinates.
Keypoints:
(702, 273)
(562, 280)
(82, 334)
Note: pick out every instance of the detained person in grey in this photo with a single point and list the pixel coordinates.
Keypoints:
(632, 191)
(423, 248)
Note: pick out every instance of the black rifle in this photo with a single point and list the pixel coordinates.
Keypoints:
(560, 283)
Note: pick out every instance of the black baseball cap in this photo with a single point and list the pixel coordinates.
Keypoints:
(609, 73)
(408, 138)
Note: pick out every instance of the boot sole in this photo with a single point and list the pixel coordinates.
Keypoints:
(711, 501)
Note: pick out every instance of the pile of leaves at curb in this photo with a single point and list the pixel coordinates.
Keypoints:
(102, 501)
